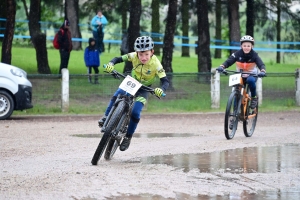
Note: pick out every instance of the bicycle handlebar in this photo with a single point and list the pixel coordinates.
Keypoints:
(117, 75)
(238, 72)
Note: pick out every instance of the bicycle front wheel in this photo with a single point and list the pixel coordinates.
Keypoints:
(112, 124)
(231, 115)
(250, 122)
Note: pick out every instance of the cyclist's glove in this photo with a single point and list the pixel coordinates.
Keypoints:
(109, 67)
(158, 92)
(261, 74)
(220, 69)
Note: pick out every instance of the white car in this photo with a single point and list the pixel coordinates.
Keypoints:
(15, 90)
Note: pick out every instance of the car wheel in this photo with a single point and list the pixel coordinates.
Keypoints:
(6, 105)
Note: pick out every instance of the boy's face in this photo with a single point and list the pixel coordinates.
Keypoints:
(144, 56)
(92, 43)
(247, 46)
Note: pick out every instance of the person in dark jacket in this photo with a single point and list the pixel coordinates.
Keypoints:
(91, 59)
(65, 44)
(247, 59)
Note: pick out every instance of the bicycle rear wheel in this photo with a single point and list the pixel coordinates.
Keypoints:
(250, 122)
(112, 124)
(231, 115)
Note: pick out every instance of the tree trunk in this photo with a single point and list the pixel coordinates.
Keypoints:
(124, 15)
(234, 23)
(204, 57)
(250, 18)
(99, 5)
(185, 50)
(38, 38)
(9, 31)
(169, 36)
(155, 28)
(218, 52)
(168, 45)
(134, 28)
(72, 13)
(3, 14)
(278, 30)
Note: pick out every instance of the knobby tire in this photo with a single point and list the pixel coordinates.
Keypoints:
(113, 144)
(251, 117)
(231, 113)
(112, 124)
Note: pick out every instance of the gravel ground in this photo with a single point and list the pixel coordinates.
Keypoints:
(40, 158)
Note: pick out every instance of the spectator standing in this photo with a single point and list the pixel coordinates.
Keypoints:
(92, 60)
(98, 24)
(65, 44)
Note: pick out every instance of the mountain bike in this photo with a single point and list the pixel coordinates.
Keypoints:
(116, 123)
(238, 105)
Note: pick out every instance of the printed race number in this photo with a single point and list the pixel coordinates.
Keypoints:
(130, 85)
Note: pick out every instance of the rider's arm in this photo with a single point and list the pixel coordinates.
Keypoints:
(120, 59)
(260, 64)
(231, 60)
(164, 83)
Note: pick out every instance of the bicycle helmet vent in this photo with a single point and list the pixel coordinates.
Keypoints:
(247, 38)
(143, 43)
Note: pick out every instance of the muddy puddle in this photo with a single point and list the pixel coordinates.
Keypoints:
(246, 160)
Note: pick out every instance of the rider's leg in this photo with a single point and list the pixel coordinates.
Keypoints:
(134, 120)
(251, 81)
(110, 105)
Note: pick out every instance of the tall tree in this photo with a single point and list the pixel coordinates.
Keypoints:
(168, 45)
(72, 13)
(278, 30)
(38, 38)
(133, 28)
(250, 18)
(9, 31)
(234, 23)
(3, 13)
(155, 25)
(204, 57)
(218, 13)
(185, 50)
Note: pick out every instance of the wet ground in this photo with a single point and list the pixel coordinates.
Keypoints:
(183, 156)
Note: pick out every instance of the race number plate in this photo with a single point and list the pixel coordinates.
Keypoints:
(130, 85)
(234, 79)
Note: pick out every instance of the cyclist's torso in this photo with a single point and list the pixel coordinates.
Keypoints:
(246, 62)
(145, 73)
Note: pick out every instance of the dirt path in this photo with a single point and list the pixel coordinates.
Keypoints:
(40, 158)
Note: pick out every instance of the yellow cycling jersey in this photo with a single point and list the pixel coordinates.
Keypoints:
(145, 73)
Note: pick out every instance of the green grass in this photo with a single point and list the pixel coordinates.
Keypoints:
(190, 95)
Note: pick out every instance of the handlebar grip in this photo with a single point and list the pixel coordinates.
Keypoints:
(104, 66)
(164, 94)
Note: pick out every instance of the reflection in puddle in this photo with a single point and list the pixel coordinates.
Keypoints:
(141, 135)
(247, 160)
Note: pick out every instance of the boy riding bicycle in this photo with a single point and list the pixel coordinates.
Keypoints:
(247, 60)
(146, 67)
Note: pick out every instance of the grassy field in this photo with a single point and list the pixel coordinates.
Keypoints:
(25, 58)
(194, 98)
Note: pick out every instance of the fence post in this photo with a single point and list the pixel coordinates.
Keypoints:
(297, 76)
(65, 90)
(215, 88)
(259, 90)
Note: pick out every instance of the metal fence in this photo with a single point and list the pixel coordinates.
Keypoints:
(187, 92)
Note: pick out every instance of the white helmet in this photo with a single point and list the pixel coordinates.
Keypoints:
(143, 43)
(247, 38)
